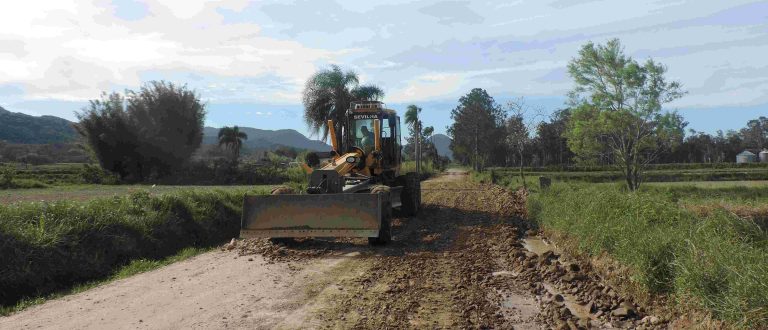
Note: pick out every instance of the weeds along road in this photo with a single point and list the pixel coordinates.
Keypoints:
(459, 264)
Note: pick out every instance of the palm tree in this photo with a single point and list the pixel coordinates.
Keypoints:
(413, 122)
(327, 95)
(232, 139)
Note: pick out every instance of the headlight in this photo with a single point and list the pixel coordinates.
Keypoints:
(351, 159)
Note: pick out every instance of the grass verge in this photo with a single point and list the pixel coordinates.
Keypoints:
(133, 268)
(50, 247)
(717, 261)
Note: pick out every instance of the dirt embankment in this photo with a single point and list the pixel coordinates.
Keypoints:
(464, 262)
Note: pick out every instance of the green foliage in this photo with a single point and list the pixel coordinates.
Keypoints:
(152, 136)
(51, 246)
(132, 268)
(428, 168)
(7, 174)
(719, 260)
(327, 95)
(618, 109)
(232, 138)
(92, 174)
(312, 159)
(477, 130)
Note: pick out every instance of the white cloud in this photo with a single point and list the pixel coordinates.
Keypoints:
(263, 51)
(74, 50)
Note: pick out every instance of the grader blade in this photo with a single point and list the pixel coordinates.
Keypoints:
(322, 215)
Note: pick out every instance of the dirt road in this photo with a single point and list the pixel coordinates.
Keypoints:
(463, 262)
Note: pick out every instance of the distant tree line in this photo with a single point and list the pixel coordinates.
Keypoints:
(547, 145)
(614, 117)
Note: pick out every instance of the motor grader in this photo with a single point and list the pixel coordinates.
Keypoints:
(353, 195)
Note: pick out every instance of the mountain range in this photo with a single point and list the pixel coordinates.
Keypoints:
(22, 128)
(25, 129)
(262, 139)
(442, 144)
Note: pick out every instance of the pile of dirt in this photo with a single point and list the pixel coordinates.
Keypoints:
(572, 295)
(293, 250)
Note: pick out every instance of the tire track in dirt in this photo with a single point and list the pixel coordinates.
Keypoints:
(437, 271)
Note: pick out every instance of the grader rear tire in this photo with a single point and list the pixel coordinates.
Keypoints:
(411, 194)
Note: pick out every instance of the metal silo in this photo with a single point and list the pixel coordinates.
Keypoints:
(746, 157)
(764, 156)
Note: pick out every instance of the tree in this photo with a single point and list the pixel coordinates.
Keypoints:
(232, 139)
(287, 152)
(522, 121)
(327, 95)
(146, 133)
(551, 144)
(414, 125)
(477, 129)
(312, 159)
(618, 106)
(755, 135)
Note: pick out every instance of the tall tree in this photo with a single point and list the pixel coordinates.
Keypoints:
(522, 121)
(327, 95)
(618, 105)
(477, 129)
(552, 146)
(232, 138)
(756, 133)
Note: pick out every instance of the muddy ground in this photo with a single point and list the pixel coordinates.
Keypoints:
(467, 260)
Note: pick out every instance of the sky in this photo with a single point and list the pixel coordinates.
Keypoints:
(249, 60)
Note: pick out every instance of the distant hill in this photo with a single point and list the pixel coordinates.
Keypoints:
(25, 129)
(261, 139)
(443, 145)
(21, 128)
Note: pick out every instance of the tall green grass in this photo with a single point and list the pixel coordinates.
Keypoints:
(428, 169)
(719, 262)
(47, 247)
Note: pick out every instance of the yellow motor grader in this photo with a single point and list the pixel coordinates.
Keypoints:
(351, 196)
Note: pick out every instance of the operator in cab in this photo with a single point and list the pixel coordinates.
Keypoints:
(368, 139)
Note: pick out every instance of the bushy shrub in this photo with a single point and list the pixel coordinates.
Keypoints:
(7, 174)
(155, 134)
(92, 174)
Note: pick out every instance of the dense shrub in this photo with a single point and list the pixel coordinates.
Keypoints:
(46, 247)
(7, 174)
(155, 134)
(721, 260)
(92, 174)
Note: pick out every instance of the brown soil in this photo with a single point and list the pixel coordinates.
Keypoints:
(460, 263)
